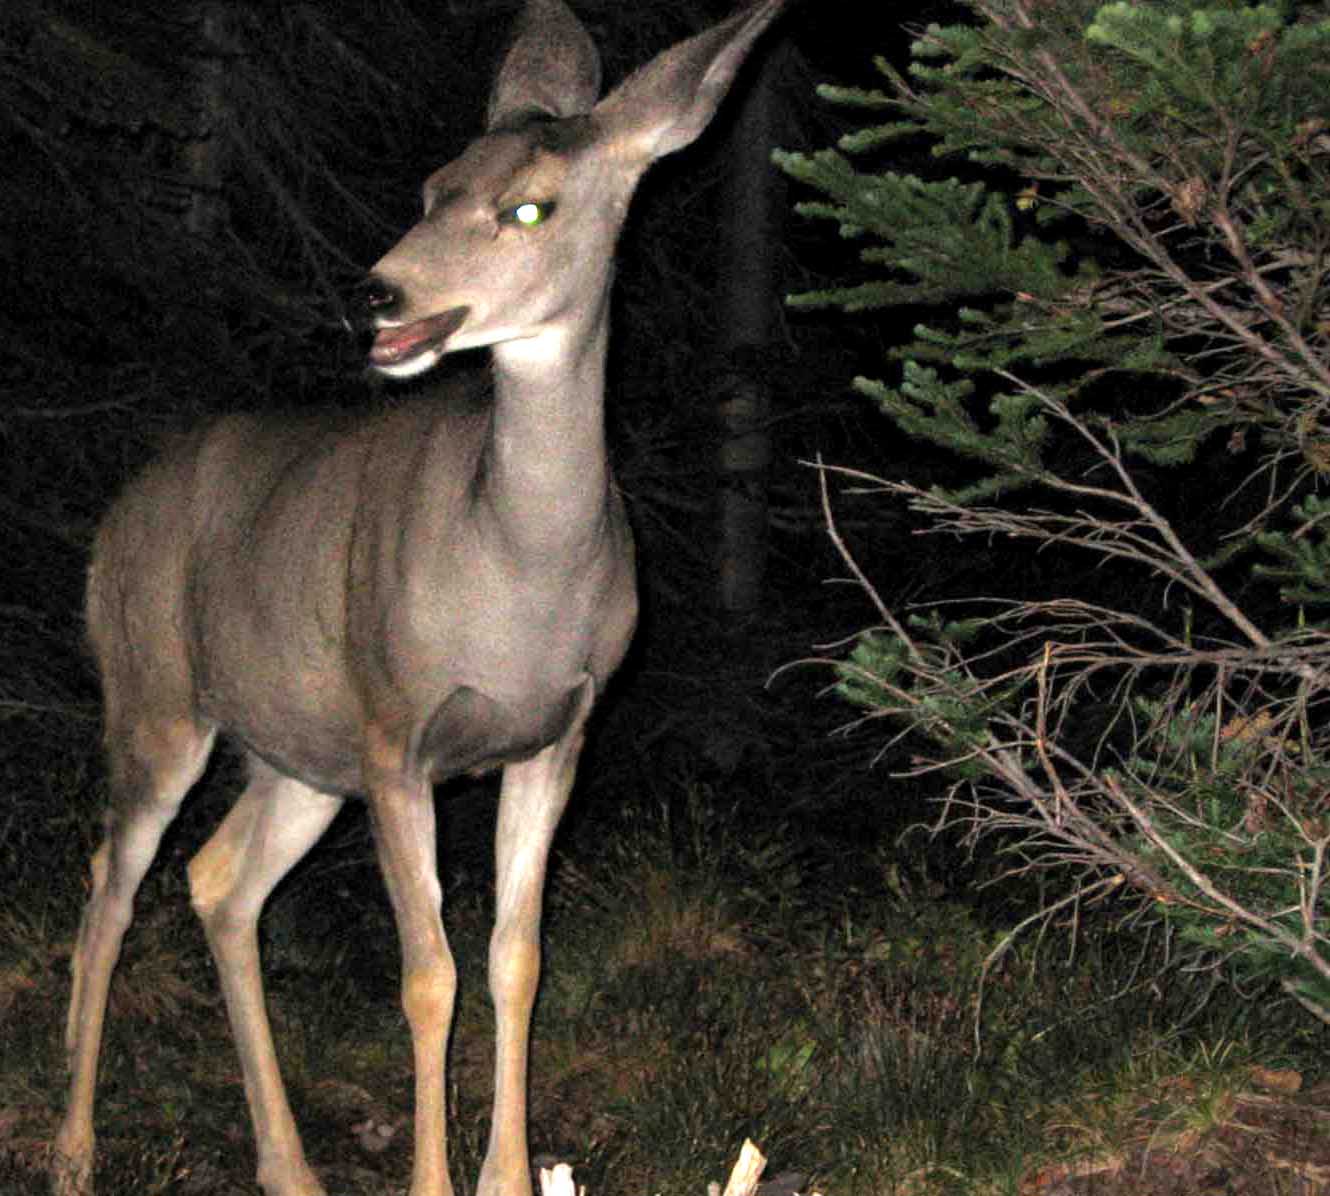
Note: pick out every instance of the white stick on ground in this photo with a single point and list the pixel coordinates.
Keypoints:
(558, 1181)
(747, 1171)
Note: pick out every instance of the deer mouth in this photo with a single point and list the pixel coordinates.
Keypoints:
(396, 346)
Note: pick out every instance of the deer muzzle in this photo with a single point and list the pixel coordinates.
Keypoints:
(396, 346)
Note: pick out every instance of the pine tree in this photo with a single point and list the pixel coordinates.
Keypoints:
(1132, 255)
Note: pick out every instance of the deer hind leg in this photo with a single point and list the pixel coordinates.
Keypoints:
(531, 802)
(151, 769)
(273, 823)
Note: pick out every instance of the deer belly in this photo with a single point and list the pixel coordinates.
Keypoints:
(319, 745)
(473, 733)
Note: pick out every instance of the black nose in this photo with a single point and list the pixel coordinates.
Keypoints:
(371, 298)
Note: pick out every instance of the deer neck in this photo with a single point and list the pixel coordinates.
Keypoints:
(545, 477)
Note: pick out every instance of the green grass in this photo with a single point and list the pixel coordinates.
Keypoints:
(710, 976)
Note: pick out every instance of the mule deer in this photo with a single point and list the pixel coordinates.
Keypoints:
(371, 606)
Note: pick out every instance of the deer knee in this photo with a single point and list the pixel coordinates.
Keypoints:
(514, 967)
(212, 885)
(215, 869)
(99, 871)
(100, 866)
(428, 990)
(209, 882)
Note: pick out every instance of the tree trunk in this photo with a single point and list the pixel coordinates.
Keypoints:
(752, 205)
(205, 153)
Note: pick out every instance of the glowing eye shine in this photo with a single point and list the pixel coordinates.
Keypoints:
(528, 214)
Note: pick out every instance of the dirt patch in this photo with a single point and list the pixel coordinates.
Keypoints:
(1249, 1144)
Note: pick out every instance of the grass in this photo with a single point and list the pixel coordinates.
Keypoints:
(710, 976)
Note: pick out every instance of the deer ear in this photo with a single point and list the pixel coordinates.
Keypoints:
(665, 104)
(552, 66)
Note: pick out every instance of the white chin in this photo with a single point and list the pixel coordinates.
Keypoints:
(416, 365)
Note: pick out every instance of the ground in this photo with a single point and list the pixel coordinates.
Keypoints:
(1256, 1143)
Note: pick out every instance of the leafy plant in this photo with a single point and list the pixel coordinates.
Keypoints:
(1129, 275)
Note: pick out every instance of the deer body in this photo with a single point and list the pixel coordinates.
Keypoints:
(370, 604)
(482, 668)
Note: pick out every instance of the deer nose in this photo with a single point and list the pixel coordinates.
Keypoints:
(371, 300)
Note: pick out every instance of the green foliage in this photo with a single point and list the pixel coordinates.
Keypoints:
(1260, 851)
(1301, 560)
(1193, 136)
(1118, 244)
(930, 408)
(958, 711)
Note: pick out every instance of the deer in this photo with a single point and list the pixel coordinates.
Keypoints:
(373, 603)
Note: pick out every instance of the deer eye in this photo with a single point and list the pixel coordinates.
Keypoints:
(526, 215)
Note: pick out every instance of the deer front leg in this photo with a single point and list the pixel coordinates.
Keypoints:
(403, 820)
(531, 802)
